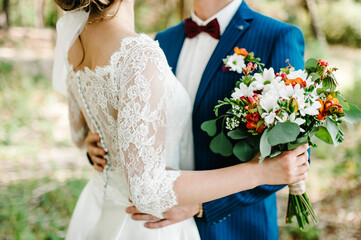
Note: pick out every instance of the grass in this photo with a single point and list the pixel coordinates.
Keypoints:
(37, 209)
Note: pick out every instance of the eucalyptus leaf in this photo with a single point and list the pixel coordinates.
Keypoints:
(243, 151)
(275, 153)
(315, 76)
(283, 133)
(320, 90)
(265, 147)
(343, 103)
(324, 135)
(238, 134)
(326, 84)
(333, 131)
(313, 132)
(353, 115)
(311, 64)
(220, 144)
(210, 127)
(298, 142)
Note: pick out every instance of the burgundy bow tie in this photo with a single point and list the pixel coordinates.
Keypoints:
(212, 28)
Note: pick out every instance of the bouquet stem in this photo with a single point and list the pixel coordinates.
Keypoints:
(299, 206)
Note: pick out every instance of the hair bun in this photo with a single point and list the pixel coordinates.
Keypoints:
(104, 2)
(71, 5)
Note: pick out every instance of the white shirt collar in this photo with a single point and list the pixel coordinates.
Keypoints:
(224, 16)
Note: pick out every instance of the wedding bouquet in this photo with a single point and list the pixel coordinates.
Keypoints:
(269, 112)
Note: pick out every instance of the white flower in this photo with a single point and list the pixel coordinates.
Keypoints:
(269, 118)
(274, 88)
(236, 63)
(282, 116)
(298, 74)
(269, 103)
(310, 109)
(299, 121)
(288, 92)
(267, 77)
(242, 91)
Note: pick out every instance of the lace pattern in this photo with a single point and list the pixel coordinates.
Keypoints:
(137, 101)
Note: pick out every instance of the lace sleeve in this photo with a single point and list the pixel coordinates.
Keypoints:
(78, 126)
(141, 123)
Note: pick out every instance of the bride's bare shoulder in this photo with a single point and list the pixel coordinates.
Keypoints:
(76, 53)
(94, 47)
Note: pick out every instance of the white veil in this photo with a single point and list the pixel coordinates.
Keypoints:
(68, 29)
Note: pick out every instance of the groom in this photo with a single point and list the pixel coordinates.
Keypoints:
(195, 49)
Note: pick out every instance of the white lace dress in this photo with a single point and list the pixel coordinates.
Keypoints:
(140, 110)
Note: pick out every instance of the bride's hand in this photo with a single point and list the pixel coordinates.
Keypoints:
(172, 216)
(288, 167)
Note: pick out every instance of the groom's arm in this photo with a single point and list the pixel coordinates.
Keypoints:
(288, 45)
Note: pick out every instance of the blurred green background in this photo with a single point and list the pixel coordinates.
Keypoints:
(42, 173)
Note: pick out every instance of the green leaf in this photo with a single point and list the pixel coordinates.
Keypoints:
(275, 153)
(243, 151)
(320, 90)
(299, 141)
(333, 131)
(310, 64)
(285, 70)
(326, 84)
(238, 134)
(343, 103)
(324, 135)
(210, 127)
(283, 133)
(264, 146)
(315, 76)
(220, 144)
(353, 115)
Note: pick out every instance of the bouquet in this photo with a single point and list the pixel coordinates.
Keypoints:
(269, 112)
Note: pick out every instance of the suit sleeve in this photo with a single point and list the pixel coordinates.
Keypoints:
(289, 44)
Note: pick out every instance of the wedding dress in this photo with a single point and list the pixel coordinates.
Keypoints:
(140, 111)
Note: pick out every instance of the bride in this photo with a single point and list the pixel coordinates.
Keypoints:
(120, 85)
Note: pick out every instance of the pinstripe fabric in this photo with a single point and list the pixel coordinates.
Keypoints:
(249, 214)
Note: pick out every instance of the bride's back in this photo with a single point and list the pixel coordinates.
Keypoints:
(101, 36)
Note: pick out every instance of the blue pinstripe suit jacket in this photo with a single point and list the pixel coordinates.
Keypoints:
(249, 214)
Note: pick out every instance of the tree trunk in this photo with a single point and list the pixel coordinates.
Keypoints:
(311, 7)
(39, 18)
(4, 15)
(181, 9)
(20, 12)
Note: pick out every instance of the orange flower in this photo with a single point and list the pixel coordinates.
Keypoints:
(241, 51)
(330, 101)
(251, 125)
(261, 128)
(293, 82)
(322, 114)
(322, 105)
(329, 106)
(252, 120)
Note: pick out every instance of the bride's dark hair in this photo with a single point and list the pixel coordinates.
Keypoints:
(93, 5)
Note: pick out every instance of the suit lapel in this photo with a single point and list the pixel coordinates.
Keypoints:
(236, 28)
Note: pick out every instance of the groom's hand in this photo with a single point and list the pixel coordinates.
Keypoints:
(95, 153)
(174, 215)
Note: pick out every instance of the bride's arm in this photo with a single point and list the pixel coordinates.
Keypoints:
(78, 125)
(141, 133)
